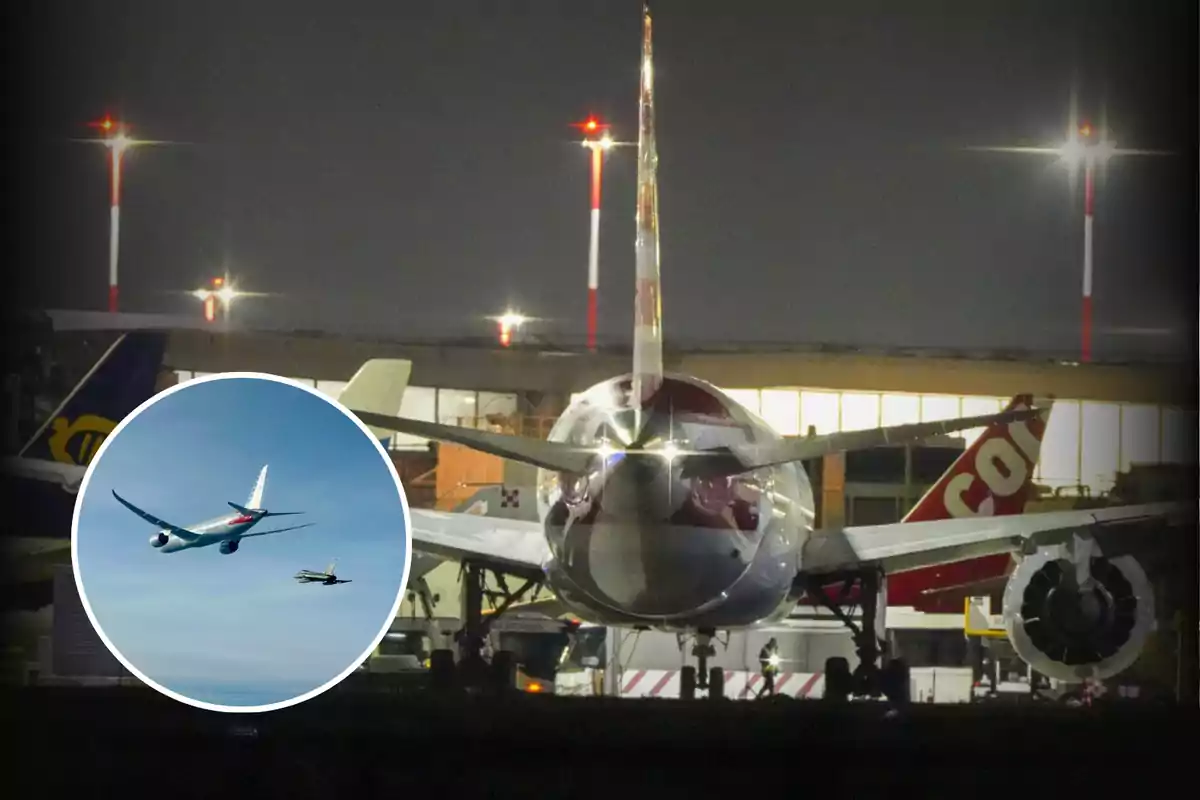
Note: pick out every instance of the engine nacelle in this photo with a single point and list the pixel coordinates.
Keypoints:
(159, 539)
(1073, 614)
(228, 547)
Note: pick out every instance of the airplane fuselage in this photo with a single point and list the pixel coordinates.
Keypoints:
(304, 576)
(227, 529)
(638, 542)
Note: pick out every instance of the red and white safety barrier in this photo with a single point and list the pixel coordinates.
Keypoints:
(739, 684)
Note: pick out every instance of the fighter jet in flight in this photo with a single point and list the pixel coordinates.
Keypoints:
(328, 577)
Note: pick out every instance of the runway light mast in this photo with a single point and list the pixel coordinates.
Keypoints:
(117, 141)
(1088, 147)
(509, 322)
(220, 291)
(599, 141)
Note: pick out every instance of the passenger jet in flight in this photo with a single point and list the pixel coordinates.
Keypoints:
(664, 504)
(227, 531)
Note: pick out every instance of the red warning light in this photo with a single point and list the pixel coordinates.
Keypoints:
(218, 282)
(1085, 130)
(590, 125)
(105, 124)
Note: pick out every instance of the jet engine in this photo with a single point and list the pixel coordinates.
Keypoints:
(228, 547)
(159, 539)
(1071, 613)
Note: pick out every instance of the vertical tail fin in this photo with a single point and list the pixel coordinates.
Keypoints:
(256, 496)
(994, 476)
(121, 380)
(647, 332)
(378, 387)
(329, 569)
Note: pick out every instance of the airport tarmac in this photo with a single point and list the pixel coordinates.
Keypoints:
(368, 742)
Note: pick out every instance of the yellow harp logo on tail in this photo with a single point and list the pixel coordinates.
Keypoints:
(87, 432)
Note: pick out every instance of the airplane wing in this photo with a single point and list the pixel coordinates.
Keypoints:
(182, 533)
(900, 547)
(745, 458)
(69, 476)
(563, 457)
(277, 530)
(517, 546)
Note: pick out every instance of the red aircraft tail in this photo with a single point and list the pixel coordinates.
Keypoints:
(993, 477)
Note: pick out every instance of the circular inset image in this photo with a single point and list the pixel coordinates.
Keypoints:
(241, 542)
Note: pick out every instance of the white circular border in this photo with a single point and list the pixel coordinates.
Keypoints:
(87, 607)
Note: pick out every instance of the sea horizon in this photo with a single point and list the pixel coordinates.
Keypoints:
(240, 693)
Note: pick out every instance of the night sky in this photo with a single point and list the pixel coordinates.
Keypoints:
(409, 167)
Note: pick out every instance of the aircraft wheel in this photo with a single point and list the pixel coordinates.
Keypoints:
(687, 683)
(839, 680)
(716, 683)
(896, 682)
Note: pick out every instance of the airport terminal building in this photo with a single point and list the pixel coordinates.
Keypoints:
(1106, 417)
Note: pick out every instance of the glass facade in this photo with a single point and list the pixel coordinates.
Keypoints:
(1085, 444)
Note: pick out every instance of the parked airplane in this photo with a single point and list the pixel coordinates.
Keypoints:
(665, 504)
(227, 530)
(328, 578)
(963, 490)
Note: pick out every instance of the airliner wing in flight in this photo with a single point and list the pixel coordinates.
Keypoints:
(182, 533)
(277, 530)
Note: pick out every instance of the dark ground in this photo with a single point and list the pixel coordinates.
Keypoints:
(109, 741)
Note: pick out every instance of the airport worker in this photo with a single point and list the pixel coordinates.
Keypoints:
(768, 659)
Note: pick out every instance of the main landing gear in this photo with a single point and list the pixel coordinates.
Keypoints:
(473, 671)
(701, 676)
(868, 679)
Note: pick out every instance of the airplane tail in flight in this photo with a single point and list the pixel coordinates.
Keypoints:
(378, 387)
(254, 505)
(121, 380)
(256, 495)
(647, 331)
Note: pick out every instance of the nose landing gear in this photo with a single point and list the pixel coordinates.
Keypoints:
(701, 676)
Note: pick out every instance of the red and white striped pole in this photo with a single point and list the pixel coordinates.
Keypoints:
(116, 152)
(594, 246)
(1088, 196)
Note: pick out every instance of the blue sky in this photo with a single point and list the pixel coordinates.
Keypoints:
(199, 617)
